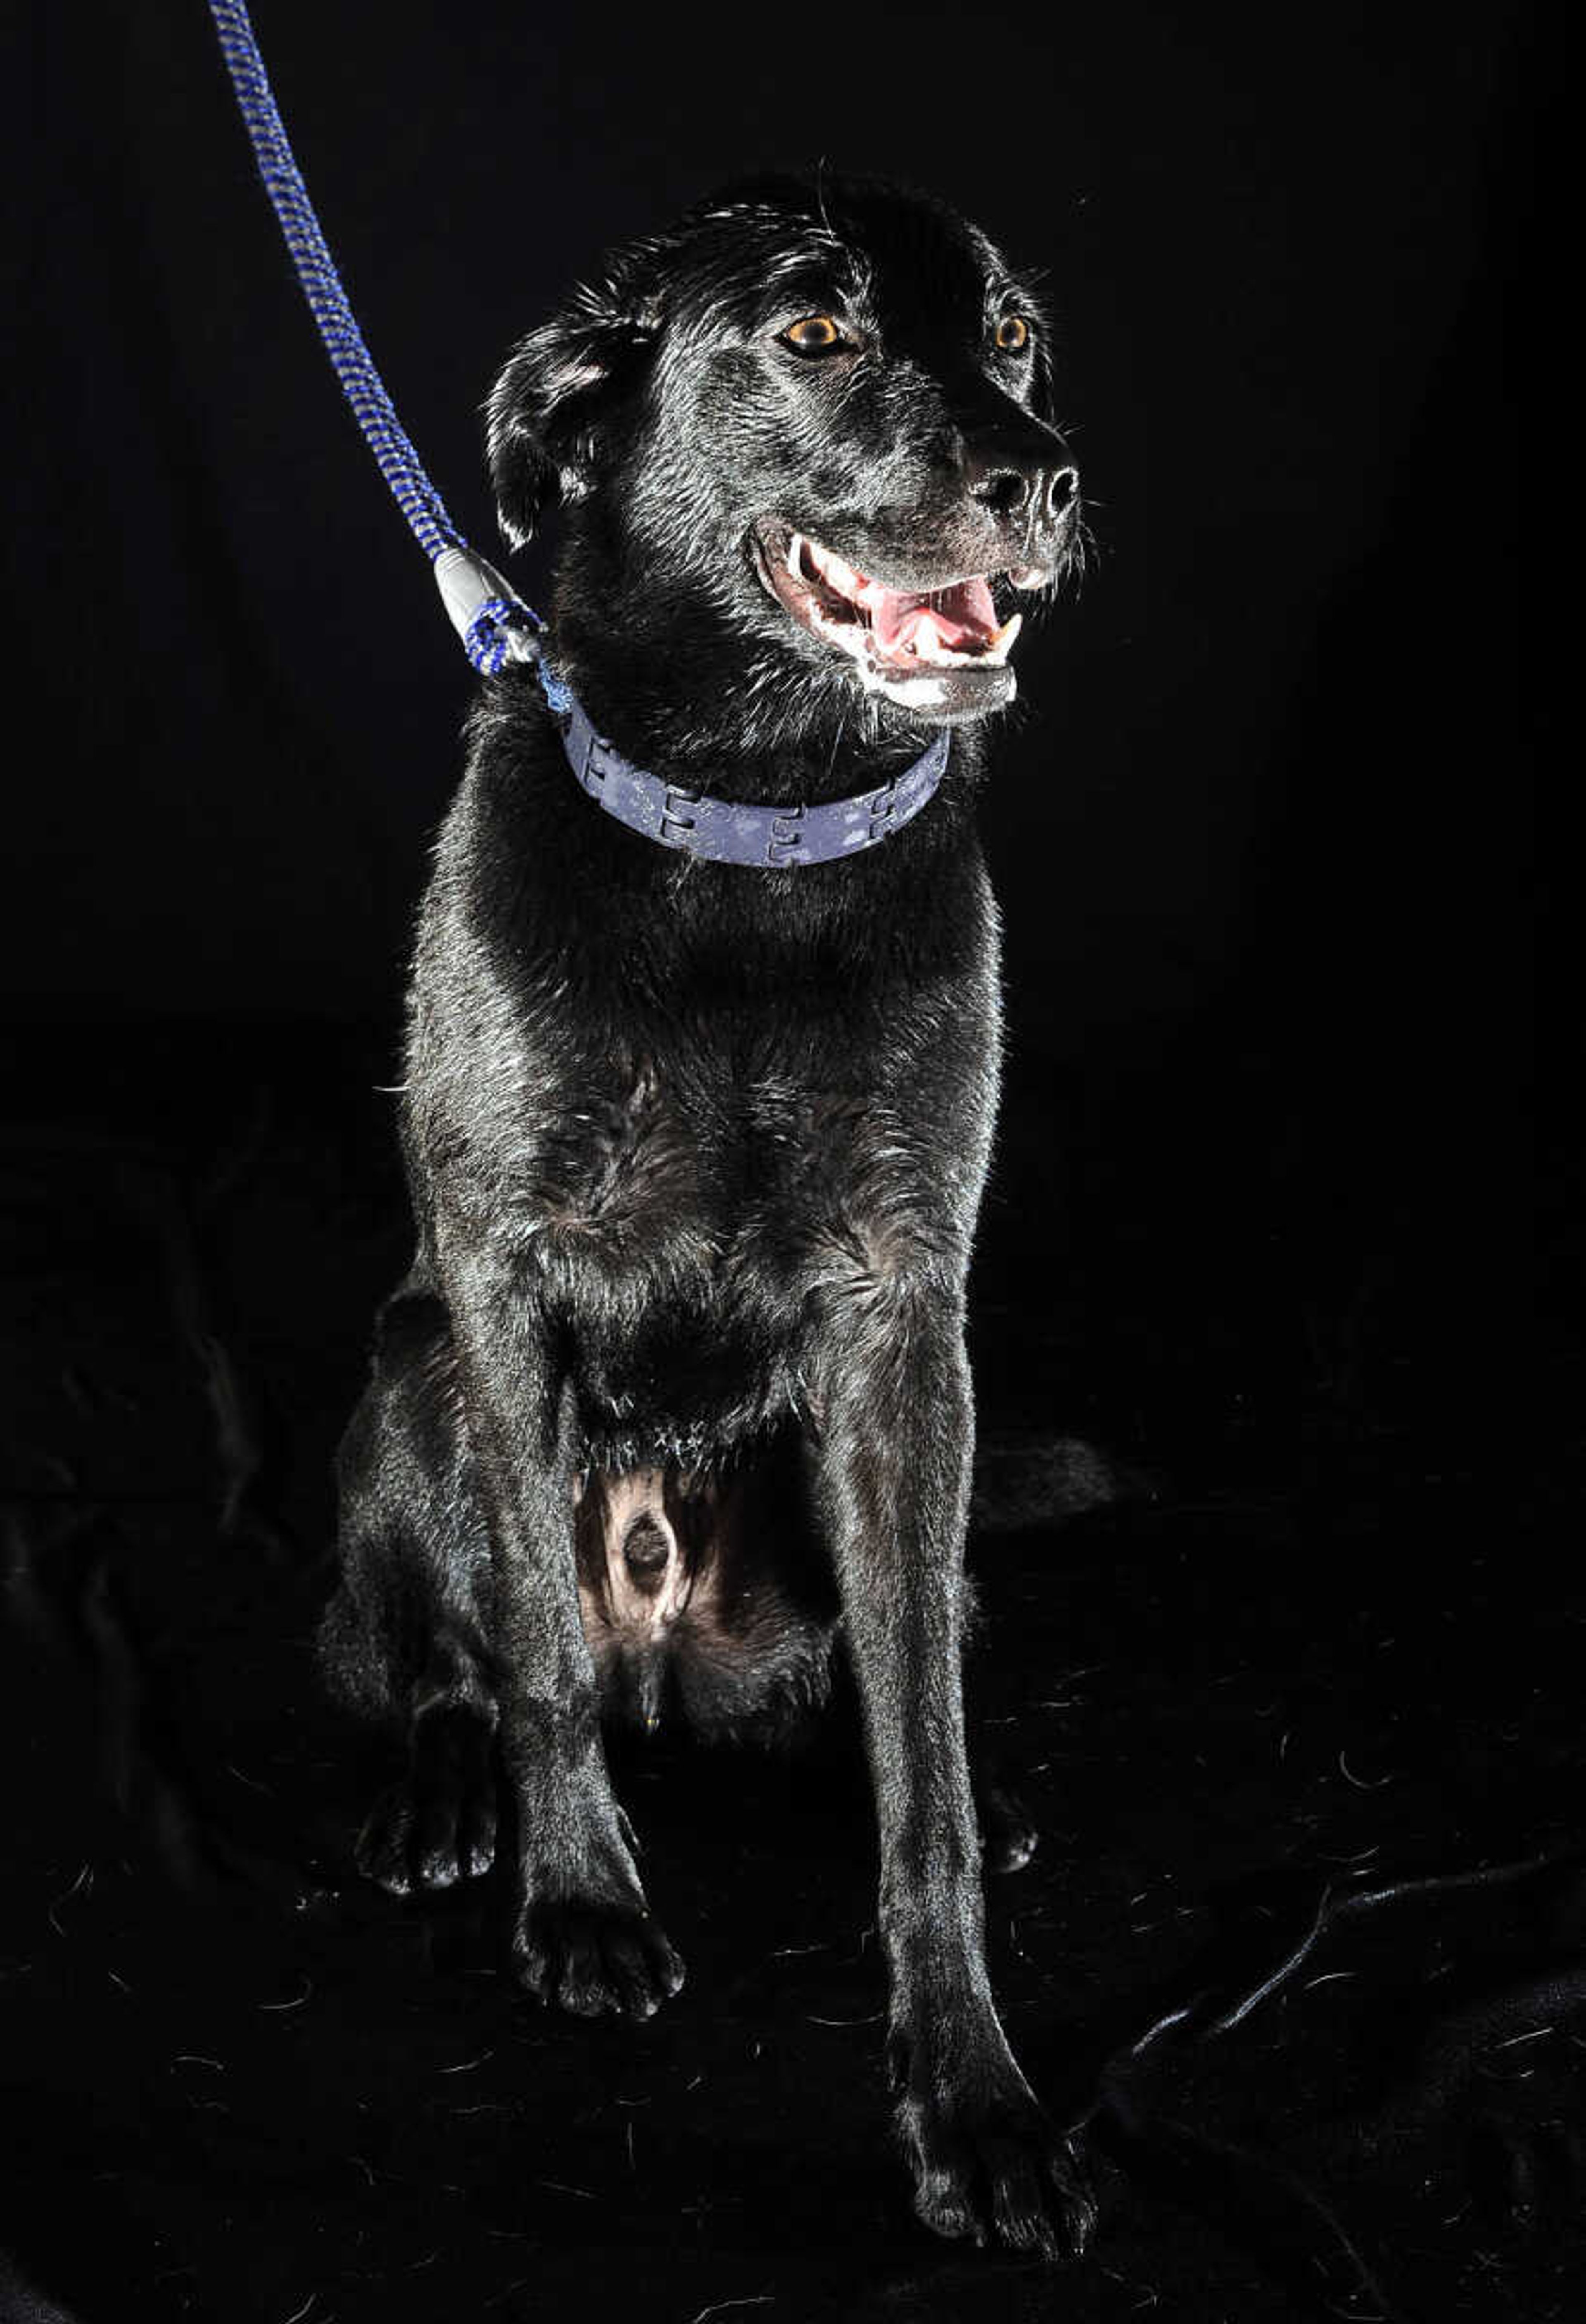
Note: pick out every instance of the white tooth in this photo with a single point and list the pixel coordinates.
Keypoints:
(842, 575)
(794, 545)
(925, 639)
(1002, 644)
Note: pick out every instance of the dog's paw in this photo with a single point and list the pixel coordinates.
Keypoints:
(1005, 2172)
(438, 1825)
(594, 1956)
(988, 2160)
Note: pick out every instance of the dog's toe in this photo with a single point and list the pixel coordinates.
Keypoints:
(381, 1850)
(943, 2202)
(476, 1835)
(1018, 2203)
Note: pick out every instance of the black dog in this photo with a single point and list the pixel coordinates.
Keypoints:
(675, 1397)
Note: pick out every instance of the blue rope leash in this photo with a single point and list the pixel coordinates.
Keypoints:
(493, 624)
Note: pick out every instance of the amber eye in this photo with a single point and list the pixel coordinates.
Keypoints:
(814, 335)
(1012, 333)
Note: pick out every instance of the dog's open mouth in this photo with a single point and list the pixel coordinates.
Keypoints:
(898, 636)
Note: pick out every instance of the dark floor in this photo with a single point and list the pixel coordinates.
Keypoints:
(1277, 1640)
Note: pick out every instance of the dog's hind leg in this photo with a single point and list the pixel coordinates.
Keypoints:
(402, 1641)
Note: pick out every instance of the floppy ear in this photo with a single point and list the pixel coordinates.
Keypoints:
(550, 414)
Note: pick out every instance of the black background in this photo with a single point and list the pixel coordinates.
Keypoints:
(1259, 828)
(1259, 1224)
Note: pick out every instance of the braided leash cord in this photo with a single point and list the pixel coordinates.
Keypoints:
(493, 622)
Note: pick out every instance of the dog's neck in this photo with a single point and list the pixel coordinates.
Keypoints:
(738, 716)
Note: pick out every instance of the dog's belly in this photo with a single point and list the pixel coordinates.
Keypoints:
(676, 1381)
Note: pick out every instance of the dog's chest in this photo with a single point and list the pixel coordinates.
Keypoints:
(704, 1177)
(675, 1224)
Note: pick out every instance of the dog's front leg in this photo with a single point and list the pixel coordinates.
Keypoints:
(584, 1934)
(892, 1478)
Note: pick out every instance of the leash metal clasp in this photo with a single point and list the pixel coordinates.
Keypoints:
(468, 583)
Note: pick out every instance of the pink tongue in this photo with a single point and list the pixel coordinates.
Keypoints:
(965, 615)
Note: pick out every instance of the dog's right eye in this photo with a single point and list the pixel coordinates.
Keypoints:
(814, 335)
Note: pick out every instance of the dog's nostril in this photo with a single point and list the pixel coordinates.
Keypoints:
(1062, 490)
(1005, 493)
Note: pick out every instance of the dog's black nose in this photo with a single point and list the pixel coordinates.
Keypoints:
(1020, 480)
(1027, 491)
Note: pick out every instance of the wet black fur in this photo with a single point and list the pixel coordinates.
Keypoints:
(695, 1152)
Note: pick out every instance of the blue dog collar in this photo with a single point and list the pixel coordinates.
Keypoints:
(729, 831)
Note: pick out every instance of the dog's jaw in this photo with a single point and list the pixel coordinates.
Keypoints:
(936, 650)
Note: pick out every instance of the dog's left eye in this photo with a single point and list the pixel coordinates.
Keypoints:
(816, 334)
(1012, 335)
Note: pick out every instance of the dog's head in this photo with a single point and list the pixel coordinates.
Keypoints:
(810, 423)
